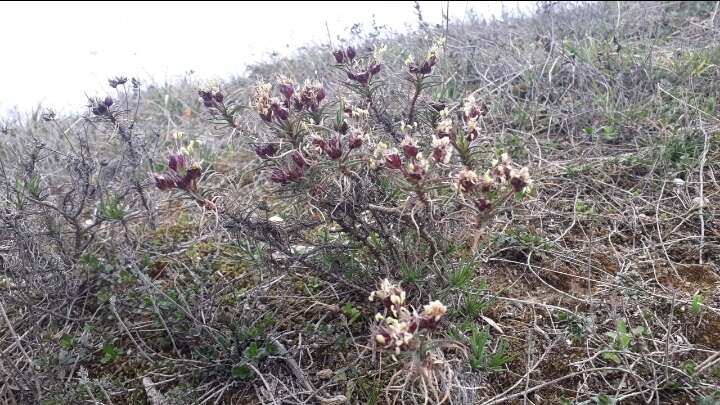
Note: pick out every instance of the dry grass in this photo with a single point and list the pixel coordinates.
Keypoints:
(601, 286)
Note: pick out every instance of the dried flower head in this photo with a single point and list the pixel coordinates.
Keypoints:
(379, 51)
(486, 182)
(520, 179)
(261, 101)
(356, 138)
(438, 105)
(445, 128)
(333, 148)
(442, 151)
(298, 158)
(360, 113)
(467, 180)
(339, 55)
(350, 52)
(182, 174)
(265, 151)
(286, 86)
(312, 94)
(163, 182)
(400, 330)
(502, 168)
(410, 147)
(415, 170)
(427, 64)
(48, 115)
(389, 293)
(392, 159)
(117, 81)
(435, 310)
(278, 109)
(378, 157)
(472, 128)
(471, 108)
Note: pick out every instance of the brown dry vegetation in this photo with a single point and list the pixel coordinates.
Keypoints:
(601, 286)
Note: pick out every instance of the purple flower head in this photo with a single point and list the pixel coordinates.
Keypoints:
(298, 158)
(117, 81)
(333, 148)
(362, 77)
(100, 109)
(318, 142)
(280, 111)
(355, 140)
(189, 180)
(297, 104)
(286, 87)
(350, 52)
(414, 171)
(278, 175)
(295, 173)
(182, 174)
(424, 69)
(482, 204)
(392, 159)
(206, 95)
(163, 182)
(177, 162)
(342, 127)
(312, 94)
(265, 151)
(410, 147)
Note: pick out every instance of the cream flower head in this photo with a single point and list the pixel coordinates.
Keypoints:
(435, 310)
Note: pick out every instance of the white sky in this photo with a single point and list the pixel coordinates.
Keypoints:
(55, 53)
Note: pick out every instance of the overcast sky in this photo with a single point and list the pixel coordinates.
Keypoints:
(55, 53)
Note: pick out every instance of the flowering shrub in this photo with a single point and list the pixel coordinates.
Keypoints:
(381, 172)
(398, 183)
(401, 182)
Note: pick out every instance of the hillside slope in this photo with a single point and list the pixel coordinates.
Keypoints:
(547, 229)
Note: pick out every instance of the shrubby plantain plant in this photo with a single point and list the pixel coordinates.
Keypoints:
(399, 184)
(346, 162)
